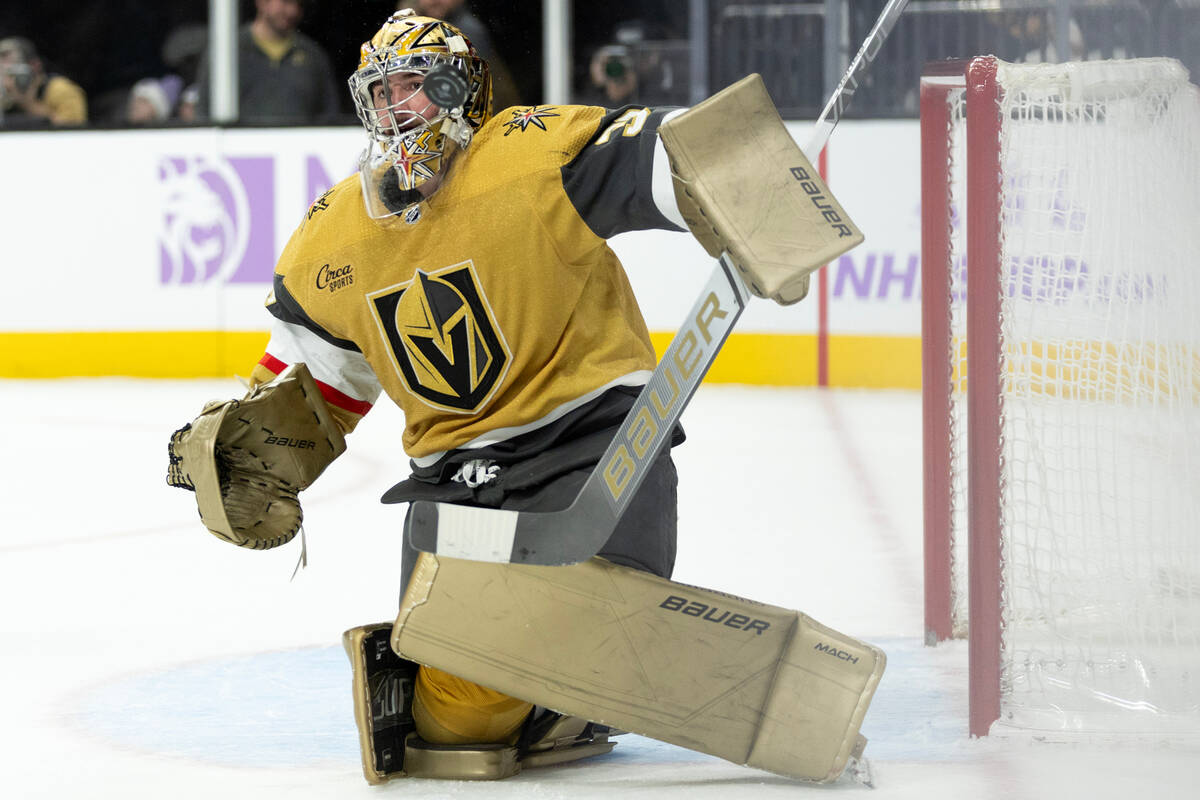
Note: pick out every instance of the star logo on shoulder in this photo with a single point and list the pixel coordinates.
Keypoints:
(534, 115)
(320, 204)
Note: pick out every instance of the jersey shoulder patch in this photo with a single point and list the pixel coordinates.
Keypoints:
(344, 196)
(559, 132)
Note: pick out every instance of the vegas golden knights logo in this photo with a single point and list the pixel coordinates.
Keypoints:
(442, 337)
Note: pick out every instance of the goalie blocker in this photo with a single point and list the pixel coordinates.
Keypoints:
(745, 188)
(754, 684)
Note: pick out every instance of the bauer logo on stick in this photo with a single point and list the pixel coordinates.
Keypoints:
(653, 412)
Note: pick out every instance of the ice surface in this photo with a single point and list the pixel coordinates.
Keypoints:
(144, 658)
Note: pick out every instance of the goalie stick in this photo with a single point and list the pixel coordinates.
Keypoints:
(578, 532)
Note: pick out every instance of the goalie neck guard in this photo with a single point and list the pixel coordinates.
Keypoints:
(412, 140)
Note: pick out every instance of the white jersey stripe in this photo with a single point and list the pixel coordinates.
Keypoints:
(344, 370)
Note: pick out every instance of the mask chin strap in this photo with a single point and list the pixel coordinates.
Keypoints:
(456, 128)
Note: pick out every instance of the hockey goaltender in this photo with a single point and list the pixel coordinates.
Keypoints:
(476, 289)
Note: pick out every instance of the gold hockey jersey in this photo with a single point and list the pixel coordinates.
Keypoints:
(495, 306)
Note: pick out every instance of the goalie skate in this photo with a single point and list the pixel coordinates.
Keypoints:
(383, 695)
(858, 768)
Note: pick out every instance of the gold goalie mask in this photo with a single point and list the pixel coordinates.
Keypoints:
(413, 139)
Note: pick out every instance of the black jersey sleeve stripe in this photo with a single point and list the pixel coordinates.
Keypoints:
(609, 181)
(286, 309)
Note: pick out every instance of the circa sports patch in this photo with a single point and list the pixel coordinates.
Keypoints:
(442, 337)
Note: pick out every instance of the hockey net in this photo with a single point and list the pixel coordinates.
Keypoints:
(1062, 391)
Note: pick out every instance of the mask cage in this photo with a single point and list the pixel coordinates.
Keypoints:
(392, 120)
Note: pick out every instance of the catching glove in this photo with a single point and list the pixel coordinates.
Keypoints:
(248, 459)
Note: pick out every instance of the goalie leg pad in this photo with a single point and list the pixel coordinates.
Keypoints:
(754, 684)
(743, 186)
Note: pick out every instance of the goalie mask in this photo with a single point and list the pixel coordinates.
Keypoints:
(412, 138)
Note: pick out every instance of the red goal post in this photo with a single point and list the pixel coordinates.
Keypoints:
(1062, 446)
(939, 357)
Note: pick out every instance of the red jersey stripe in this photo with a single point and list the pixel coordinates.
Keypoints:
(332, 396)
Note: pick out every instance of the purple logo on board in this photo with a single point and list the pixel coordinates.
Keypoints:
(218, 222)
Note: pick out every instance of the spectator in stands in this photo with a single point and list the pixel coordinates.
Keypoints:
(151, 101)
(184, 48)
(504, 88)
(32, 97)
(182, 51)
(283, 75)
(189, 100)
(1038, 41)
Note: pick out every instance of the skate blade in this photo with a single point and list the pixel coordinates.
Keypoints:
(858, 770)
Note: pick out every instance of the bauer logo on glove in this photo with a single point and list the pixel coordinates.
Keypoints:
(283, 441)
(248, 459)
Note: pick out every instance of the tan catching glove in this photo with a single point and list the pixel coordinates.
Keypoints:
(247, 459)
(744, 187)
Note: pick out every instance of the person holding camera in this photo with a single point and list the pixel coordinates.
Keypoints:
(614, 80)
(31, 97)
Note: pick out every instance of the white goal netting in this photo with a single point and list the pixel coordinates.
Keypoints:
(1100, 419)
